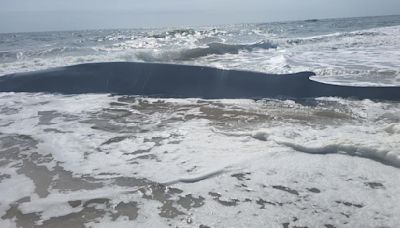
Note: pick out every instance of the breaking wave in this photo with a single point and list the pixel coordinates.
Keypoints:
(176, 32)
(334, 36)
(210, 49)
(12, 56)
(325, 144)
(9, 56)
(382, 155)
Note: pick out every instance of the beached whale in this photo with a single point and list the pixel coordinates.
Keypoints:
(172, 80)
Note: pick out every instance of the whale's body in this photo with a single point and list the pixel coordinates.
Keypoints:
(170, 80)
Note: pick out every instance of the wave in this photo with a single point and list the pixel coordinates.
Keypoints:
(12, 56)
(311, 20)
(9, 56)
(176, 32)
(334, 36)
(187, 32)
(210, 49)
(53, 51)
(384, 156)
(381, 155)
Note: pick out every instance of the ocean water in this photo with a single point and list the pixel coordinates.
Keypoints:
(101, 160)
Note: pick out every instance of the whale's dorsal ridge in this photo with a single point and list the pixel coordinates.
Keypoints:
(172, 80)
(306, 74)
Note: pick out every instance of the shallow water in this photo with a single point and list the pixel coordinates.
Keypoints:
(98, 159)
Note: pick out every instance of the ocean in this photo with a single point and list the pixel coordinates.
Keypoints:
(101, 160)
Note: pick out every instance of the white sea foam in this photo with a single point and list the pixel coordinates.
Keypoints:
(199, 146)
(14, 188)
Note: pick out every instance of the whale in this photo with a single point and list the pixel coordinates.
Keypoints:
(183, 81)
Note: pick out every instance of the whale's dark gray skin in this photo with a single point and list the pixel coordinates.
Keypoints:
(170, 80)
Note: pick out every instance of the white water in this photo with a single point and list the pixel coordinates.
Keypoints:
(197, 145)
